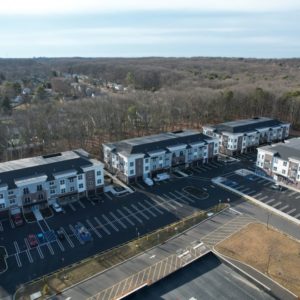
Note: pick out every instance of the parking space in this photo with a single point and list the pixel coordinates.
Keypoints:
(263, 190)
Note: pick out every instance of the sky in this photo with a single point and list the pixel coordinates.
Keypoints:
(139, 28)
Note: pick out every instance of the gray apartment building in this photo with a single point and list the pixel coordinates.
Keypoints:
(41, 180)
(242, 136)
(143, 157)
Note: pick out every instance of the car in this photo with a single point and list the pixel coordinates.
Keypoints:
(17, 219)
(161, 176)
(276, 187)
(32, 240)
(60, 234)
(83, 233)
(41, 238)
(148, 181)
(57, 207)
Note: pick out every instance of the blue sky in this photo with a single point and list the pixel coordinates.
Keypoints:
(133, 28)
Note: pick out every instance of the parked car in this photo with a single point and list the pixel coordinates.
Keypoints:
(161, 176)
(17, 219)
(41, 238)
(57, 207)
(60, 234)
(276, 187)
(83, 233)
(33, 242)
(148, 181)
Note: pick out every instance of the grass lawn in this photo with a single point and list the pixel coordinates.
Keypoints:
(267, 250)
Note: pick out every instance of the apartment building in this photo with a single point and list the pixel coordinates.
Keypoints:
(281, 160)
(242, 136)
(44, 179)
(143, 157)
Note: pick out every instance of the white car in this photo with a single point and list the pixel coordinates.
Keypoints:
(148, 181)
(276, 187)
(57, 207)
(162, 176)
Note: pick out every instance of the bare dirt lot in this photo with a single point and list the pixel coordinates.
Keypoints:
(269, 251)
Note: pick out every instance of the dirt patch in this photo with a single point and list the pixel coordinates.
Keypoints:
(267, 250)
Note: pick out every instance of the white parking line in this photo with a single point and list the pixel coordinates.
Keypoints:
(292, 194)
(132, 214)
(252, 193)
(140, 212)
(239, 187)
(72, 206)
(267, 183)
(297, 216)
(298, 197)
(182, 195)
(75, 233)
(110, 222)
(284, 207)
(11, 223)
(118, 220)
(140, 186)
(256, 195)
(50, 248)
(244, 190)
(291, 211)
(108, 196)
(270, 201)
(172, 200)
(261, 181)
(125, 217)
(102, 226)
(40, 252)
(62, 248)
(179, 198)
(147, 209)
(154, 207)
(1, 226)
(94, 229)
(276, 204)
(67, 237)
(262, 198)
(164, 201)
(81, 204)
(28, 251)
(17, 257)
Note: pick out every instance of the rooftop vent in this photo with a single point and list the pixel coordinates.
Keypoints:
(52, 155)
(256, 118)
(178, 131)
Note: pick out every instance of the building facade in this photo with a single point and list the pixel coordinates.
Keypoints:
(242, 136)
(281, 160)
(138, 158)
(41, 180)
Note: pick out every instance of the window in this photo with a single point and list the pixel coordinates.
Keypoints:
(71, 179)
(131, 164)
(99, 181)
(79, 177)
(98, 173)
(62, 182)
(72, 189)
(12, 201)
(27, 200)
(131, 172)
(39, 187)
(41, 197)
(285, 163)
(283, 171)
(2, 205)
(62, 191)
(160, 158)
(26, 191)
(147, 168)
(52, 191)
(10, 192)
(146, 160)
(51, 183)
(181, 153)
(1, 196)
(275, 168)
(81, 186)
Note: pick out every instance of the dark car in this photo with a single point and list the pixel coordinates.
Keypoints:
(83, 233)
(17, 219)
(33, 242)
(60, 234)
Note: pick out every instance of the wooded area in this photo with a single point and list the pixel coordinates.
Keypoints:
(162, 94)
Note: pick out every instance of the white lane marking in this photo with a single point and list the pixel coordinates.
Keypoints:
(125, 217)
(81, 204)
(154, 207)
(67, 237)
(284, 207)
(118, 220)
(72, 206)
(291, 211)
(110, 222)
(270, 201)
(50, 248)
(140, 212)
(276, 204)
(102, 226)
(132, 214)
(28, 251)
(76, 235)
(147, 209)
(94, 229)
(263, 198)
(40, 252)
(108, 196)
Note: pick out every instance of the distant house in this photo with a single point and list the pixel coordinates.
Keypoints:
(26, 91)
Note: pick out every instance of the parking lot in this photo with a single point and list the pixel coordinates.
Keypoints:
(111, 220)
(285, 200)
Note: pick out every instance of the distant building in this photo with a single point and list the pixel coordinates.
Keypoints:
(44, 179)
(245, 135)
(281, 160)
(143, 157)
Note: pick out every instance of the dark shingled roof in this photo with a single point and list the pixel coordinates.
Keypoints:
(9, 177)
(246, 125)
(289, 149)
(158, 142)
